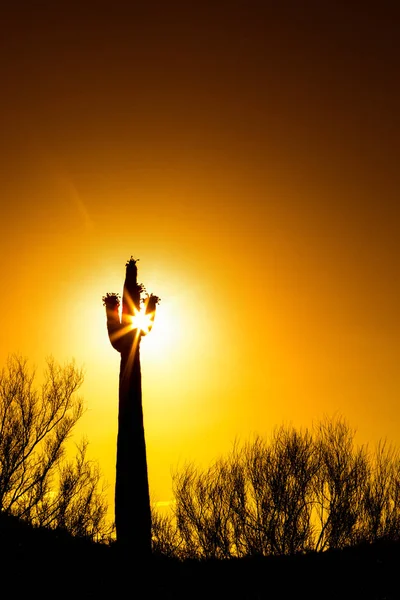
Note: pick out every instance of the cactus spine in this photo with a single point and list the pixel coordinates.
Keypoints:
(132, 502)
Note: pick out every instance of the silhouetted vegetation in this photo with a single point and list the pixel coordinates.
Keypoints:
(299, 492)
(132, 500)
(37, 484)
(303, 514)
(37, 558)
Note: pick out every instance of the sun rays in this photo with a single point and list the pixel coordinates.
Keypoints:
(142, 321)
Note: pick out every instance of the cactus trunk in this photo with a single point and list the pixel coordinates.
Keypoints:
(132, 502)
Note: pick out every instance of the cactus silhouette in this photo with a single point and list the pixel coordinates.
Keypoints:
(132, 502)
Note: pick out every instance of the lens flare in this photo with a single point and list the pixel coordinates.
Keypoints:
(142, 321)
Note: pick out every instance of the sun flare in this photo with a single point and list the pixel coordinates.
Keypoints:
(142, 321)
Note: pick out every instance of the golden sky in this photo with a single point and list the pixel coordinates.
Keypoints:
(249, 158)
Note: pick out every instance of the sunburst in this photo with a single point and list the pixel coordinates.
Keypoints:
(142, 321)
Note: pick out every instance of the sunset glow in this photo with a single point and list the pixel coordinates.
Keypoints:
(256, 179)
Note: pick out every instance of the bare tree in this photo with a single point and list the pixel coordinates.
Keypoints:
(296, 492)
(256, 501)
(166, 539)
(281, 475)
(339, 485)
(381, 501)
(36, 484)
(204, 518)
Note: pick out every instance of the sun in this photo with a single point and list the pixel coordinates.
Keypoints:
(141, 320)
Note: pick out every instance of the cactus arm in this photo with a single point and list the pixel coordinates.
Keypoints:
(114, 326)
(150, 303)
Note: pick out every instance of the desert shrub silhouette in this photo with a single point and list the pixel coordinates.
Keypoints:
(37, 483)
(300, 491)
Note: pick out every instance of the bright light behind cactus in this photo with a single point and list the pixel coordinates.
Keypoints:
(142, 321)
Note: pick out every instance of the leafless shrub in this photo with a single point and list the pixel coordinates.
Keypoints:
(381, 501)
(296, 492)
(281, 475)
(36, 484)
(340, 485)
(166, 540)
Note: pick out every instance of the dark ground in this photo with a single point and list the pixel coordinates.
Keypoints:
(49, 564)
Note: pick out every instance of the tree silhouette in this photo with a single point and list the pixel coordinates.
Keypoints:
(297, 492)
(132, 503)
(36, 483)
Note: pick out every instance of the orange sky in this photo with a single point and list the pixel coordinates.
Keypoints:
(249, 158)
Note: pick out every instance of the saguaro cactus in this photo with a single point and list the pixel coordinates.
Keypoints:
(132, 503)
